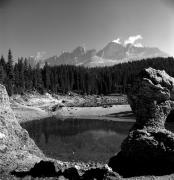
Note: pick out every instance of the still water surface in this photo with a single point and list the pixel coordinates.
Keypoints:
(79, 139)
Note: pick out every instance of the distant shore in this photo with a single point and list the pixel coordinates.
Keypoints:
(35, 107)
(91, 111)
(110, 113)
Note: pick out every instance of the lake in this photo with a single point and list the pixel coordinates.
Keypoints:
(78, 139)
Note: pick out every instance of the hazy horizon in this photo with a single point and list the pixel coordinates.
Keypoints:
(49, 27)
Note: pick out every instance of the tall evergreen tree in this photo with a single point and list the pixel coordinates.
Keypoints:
(2, 74)
(10, 73)
(47, 76)
(37, 79)
(9, 68)
(2, 62)
(2, 69)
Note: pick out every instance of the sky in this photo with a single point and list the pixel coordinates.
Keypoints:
(53, 26)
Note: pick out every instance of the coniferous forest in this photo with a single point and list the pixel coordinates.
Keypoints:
(20, 77)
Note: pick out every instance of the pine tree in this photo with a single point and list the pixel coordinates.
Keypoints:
(2, 62)
(16, 80)
(46, 76)
(37, 79)
(2, 74)
(21, 75)
(10, 73)
(28, 76)
(2, 69)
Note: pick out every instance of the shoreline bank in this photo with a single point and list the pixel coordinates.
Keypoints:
(25, 113)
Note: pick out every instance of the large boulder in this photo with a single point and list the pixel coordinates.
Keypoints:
(17, 150)
(149, 147)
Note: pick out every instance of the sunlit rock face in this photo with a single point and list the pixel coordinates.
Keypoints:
(149, 147)
(151, 97)
(17, 149)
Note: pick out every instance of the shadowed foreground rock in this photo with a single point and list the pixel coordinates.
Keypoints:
(149, 147)
(46, 169)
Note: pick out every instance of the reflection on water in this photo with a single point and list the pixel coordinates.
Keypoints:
(78, 139)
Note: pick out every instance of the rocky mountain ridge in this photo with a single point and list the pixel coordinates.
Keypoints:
(113, 53)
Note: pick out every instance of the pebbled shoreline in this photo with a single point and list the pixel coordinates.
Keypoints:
(34, 107)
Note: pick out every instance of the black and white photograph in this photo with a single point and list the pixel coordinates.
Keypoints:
(86, 89)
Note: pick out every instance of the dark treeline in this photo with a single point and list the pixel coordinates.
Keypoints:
(21, 77)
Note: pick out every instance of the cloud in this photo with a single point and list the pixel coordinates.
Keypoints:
(117, 41)
(133, 40)
(138, 45)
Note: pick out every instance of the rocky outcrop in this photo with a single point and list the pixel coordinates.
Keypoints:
(56, 170)
(17, 149)
(149, 147)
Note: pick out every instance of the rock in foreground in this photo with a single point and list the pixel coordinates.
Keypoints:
(149, 147)
(17, 150)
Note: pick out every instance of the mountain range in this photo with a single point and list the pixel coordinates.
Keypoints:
(113, 53)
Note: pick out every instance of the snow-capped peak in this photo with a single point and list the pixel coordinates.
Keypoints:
(118, 41)
(138, 45)
(40, 55)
